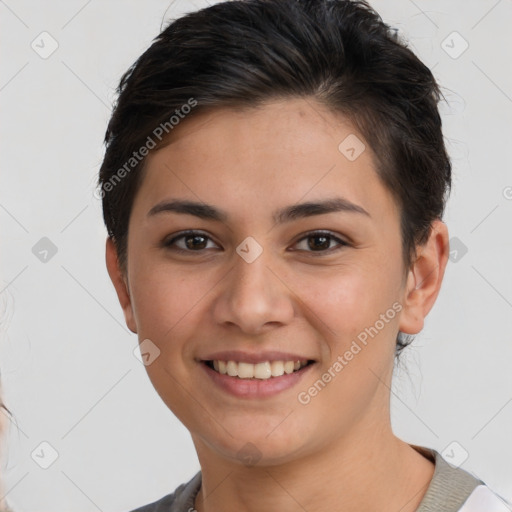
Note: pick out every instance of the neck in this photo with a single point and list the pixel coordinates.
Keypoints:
(338, 477)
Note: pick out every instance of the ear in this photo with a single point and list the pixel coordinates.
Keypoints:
(425, 278)
(120, 282)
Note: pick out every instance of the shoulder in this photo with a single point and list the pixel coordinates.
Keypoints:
(181, 500)
(454, 489)
(482, 499)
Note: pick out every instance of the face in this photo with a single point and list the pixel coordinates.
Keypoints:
(254, 273)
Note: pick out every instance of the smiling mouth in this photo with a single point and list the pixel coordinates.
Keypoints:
(263, 371)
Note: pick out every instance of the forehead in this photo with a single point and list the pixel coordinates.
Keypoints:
(300, 124)
(280, 153)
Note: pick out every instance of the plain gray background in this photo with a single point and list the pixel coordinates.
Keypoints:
(69, 373)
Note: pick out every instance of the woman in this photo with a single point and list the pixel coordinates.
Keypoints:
(273, 188)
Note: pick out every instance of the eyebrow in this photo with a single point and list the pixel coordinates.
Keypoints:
(281, 216)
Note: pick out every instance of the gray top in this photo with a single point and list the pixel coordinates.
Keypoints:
(448, 490)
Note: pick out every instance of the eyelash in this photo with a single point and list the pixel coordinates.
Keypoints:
(169, 243)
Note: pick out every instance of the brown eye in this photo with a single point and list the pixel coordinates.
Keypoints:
(190, 241)
(320, 241)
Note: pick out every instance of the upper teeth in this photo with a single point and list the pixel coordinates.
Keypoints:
(264, 370)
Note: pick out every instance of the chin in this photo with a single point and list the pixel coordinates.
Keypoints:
(251, 446)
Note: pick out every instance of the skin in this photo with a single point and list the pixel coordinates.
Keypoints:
(328, 454)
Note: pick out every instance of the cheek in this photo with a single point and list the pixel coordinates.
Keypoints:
(347, 309)
(168, 310)
(348, 299)
(165, 302)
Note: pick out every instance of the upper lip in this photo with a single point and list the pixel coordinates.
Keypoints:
(254, 357)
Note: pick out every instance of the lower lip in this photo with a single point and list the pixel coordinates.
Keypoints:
(256, 388)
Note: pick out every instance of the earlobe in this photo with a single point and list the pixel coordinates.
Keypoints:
(120, 284)
(424, 279)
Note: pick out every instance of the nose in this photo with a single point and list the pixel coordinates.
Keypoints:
(254, 296)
